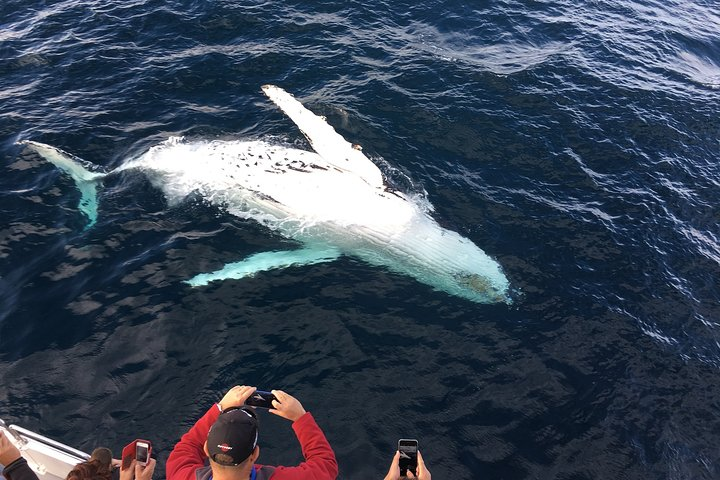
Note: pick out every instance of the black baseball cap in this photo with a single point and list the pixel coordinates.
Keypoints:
(234, 434)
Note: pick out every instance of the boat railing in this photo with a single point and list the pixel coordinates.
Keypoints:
(48, 458)
(12, 434)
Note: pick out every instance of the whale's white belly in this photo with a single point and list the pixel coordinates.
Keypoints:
(257, 178)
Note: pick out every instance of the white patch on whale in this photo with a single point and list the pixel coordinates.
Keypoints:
(334, 202)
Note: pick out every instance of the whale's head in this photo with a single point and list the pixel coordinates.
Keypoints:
(438, 257)
(478, 286)
(455, 264)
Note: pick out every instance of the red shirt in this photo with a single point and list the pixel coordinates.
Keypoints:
(188, 455)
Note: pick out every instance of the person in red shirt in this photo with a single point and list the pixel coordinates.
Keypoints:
(226, 437)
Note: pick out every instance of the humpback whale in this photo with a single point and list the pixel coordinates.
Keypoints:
(333, 202)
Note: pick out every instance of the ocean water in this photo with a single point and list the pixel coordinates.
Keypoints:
(577, 143)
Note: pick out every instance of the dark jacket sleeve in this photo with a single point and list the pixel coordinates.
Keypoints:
(19, 470)
(320, 462)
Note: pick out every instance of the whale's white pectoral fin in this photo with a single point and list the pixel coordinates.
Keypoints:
(264, 261)
(324, 139)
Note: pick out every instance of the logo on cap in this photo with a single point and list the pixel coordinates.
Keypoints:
(225, 447)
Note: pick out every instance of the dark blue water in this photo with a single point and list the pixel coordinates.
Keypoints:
(576, 143)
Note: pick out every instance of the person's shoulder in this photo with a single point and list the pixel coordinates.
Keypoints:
(264, 472)
(203, 473)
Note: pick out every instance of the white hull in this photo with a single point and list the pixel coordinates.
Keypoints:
(49, 459)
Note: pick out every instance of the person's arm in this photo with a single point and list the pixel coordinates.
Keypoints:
(320, 462)
(189, 453)
(16, 467)
(318, 453)
(19, 470)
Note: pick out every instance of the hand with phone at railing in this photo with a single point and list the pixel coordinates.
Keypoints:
(14, 465)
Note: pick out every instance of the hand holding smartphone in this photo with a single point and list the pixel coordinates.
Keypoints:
(138, 450)
(408, 448)
(260, 399)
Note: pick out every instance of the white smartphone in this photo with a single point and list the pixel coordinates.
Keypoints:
(142, 451)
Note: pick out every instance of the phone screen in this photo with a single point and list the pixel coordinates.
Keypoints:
(260, 399)
(408, 448)
(142, 452)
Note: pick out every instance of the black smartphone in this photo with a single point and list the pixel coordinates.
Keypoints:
(260, 399)
(408, 448)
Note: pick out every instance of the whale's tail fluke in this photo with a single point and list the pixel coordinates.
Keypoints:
(81, 172)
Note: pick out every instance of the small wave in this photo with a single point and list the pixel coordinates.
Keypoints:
(706, 243)
(701, 70)
(504, 57)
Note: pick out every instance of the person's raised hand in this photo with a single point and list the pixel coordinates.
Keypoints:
(145, 472)
(287, 406)
(394, 471)
(128, 473)
(236, 397)
(8, 451)
(422, 472)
